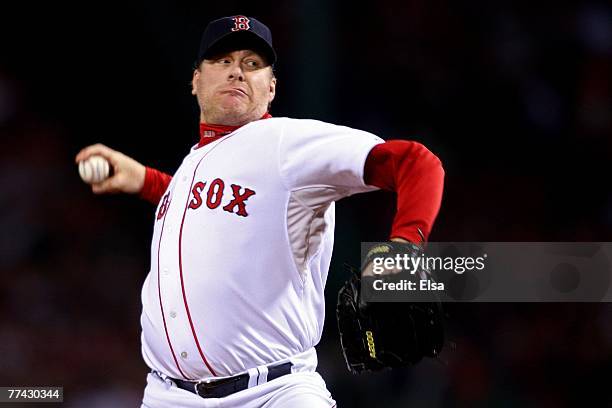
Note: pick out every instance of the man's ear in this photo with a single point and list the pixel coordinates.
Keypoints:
(194, 81)
(272, 89)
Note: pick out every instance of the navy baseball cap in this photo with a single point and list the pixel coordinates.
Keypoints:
(236, 32)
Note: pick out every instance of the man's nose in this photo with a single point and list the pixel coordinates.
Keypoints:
(236, 72)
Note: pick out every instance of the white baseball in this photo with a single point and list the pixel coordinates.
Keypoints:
(94, 170)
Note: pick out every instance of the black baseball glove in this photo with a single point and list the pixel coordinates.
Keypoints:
(377, 335)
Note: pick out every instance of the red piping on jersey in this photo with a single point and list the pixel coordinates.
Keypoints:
(160, 298)
(195, 337)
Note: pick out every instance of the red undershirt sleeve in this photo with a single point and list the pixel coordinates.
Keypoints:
(155, 184)
(417, 176)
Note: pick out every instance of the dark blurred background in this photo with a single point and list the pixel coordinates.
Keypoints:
(514, 97)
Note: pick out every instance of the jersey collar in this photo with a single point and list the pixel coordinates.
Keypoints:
(210, 133)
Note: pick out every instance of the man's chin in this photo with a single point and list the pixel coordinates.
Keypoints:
(231, 117)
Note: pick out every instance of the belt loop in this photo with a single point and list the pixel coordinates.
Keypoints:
(263, 375)
(253, 375)
(163, 377)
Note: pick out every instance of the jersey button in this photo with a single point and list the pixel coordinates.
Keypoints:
(184, 178)
(173, 314)
(184, 354)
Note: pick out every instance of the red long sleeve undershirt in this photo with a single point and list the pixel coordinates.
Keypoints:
(155, 184)
(404, 167)
(417, 176)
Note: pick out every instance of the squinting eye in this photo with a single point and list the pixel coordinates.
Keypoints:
(252, 63)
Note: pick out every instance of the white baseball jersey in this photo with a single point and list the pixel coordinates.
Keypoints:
(242, 245)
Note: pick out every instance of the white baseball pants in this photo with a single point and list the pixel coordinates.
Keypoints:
(296, 390)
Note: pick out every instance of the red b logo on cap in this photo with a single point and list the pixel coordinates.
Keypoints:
(241, 23)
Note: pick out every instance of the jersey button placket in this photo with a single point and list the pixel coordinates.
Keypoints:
(170, 287)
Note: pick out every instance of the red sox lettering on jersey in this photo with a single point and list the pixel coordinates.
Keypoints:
(163, 206)
(215, 193)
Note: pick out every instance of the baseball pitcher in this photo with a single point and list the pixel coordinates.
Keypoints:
(233, 305)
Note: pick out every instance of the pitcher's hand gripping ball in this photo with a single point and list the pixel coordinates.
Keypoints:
(378, 335)
(94, 170)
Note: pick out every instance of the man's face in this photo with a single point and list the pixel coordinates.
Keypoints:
(233, 88)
